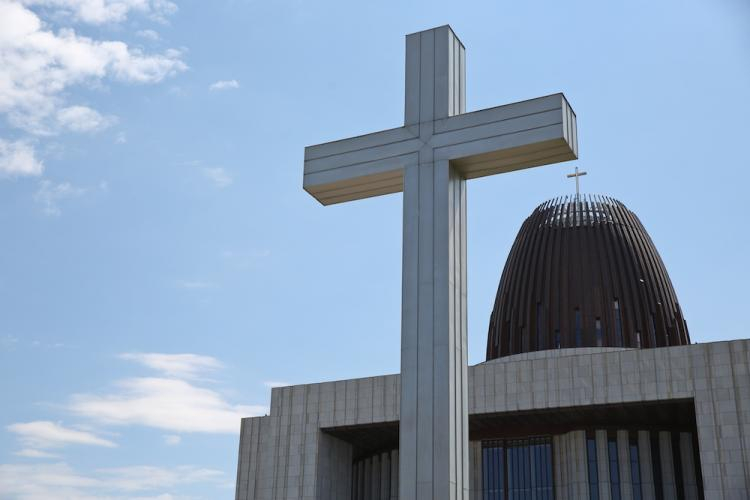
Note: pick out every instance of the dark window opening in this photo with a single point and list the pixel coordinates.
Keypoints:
(557, 339)
(579, 333)
(599, 338)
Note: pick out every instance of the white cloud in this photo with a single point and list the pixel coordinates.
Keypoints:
(83, 119)
(224, 85)
(218, 176)
(18, 158)
(164, 403)
(108, 11)
(43, 434)
(187, 366)
(39, 65)
(59, 481)
(49, 195)
(172, 439)
(148, 35)
(275, 383)
(43, 481)
(32, 453)
(149, 478)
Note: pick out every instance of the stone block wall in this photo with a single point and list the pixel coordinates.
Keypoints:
(286, 455)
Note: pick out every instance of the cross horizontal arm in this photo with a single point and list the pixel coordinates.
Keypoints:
(491, 141)
(360, 167)
(510, 137)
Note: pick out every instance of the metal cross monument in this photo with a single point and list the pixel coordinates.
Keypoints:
(430, 158)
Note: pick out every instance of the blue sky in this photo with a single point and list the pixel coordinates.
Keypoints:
(161, 266)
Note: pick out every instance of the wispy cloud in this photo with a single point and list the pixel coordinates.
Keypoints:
(148, 35)
(194, 284)
(108, 11)
(172, 439)
(164, 403)
(59, 481)
(219, 176)
(83, 119)
(170, 402)
(33, 453)
(186, 366)
(18, 158)
(8, 340)
(43, 434)
(275, 383)
(224, 85)
(49, 195)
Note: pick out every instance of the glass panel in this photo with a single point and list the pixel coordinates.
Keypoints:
(614, 469)
(635, 469)
(656, 466)
(501, 474)
(593, 469)
(519, 469)
(677, 460)
(486, 473)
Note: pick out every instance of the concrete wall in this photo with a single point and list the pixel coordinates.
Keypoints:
(286, 456)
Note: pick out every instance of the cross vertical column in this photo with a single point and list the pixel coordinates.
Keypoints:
(433, 437)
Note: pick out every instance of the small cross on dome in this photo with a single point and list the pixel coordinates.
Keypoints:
(577, 174)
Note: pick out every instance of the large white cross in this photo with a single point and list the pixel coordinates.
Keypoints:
(429, 159)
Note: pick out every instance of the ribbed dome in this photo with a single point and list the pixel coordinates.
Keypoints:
(583, 272)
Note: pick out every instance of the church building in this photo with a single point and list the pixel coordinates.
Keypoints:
(591, 388)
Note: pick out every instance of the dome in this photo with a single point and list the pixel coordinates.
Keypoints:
(583, 272)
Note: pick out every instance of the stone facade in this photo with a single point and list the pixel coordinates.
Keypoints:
(286, 455)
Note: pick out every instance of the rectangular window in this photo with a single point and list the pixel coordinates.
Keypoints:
(635, 469)
(614, 469)
(618, 324)
(557, 339)
(653, 331)
(656, 466)
(517, 469)
(638, 339)
(539, 330)
(593, 469)
(677, 460)
(579, 328)
(599, 338)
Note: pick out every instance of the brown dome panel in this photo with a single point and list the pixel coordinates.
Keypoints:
(583, 272)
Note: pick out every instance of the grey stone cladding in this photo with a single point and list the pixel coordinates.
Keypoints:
(286, 455)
